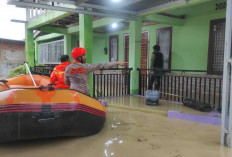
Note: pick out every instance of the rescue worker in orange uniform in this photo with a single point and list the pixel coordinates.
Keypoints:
(57, 76)
(77, 73)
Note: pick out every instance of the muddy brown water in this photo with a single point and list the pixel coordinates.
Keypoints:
(129, 133)
(136, 102)
(132, 129)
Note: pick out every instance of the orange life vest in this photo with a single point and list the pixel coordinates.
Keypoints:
(57, 76)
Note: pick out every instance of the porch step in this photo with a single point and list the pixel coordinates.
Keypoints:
(213, 117)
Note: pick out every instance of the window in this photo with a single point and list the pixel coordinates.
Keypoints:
(164, 40)
(126, 48)
(216, 47)
(144, 49)
(49, 53)
(113, 48)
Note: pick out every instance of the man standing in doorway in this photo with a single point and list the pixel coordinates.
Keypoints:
(157, 62)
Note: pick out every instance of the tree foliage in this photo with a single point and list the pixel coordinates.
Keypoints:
(17, 71)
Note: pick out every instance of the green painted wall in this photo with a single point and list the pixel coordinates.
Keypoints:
(98, 50)
(74, 43)
(100, 41)
(189, 42)
(86, 41)
(75, 40)
(135, 29)
(36, 52)
(67, 44)
(30, 48)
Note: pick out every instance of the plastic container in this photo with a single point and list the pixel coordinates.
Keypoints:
(152, 97)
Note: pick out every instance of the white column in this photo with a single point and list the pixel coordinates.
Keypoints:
(226, 126)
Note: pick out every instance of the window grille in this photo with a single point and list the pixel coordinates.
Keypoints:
(221, 5)
(126, 48)
(218, 47)
(49, 53)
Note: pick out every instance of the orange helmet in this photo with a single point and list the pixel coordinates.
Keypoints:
(78, 51)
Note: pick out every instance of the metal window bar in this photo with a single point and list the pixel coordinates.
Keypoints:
(111, 82)
(42, 70)
(179, 86)
(50, 52)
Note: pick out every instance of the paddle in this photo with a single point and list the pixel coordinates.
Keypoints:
(30, 74)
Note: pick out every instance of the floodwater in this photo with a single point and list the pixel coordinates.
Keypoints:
(131, 132)
(136, 102)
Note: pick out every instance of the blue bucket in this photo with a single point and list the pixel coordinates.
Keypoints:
(152, 97)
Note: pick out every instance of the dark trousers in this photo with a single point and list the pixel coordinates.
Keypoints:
(155, 78)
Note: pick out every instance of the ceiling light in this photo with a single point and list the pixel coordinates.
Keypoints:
(114, 25)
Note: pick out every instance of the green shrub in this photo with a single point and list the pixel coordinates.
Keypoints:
(17, 71)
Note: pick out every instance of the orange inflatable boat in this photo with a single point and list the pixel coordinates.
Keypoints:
(30, 112)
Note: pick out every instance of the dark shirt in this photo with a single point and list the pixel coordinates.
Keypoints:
(157, 62)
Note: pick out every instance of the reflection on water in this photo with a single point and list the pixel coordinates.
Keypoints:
(129, 134)
(111, 142)
(114, 141)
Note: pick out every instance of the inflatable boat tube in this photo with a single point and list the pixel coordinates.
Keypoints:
(29, 112)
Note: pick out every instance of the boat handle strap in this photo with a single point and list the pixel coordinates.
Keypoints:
(5, 83)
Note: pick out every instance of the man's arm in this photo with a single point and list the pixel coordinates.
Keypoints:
(93, 67)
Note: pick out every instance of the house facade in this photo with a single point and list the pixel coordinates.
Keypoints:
(191, 34)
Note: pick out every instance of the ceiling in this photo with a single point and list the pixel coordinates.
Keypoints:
(124, 9)
(131, 5)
